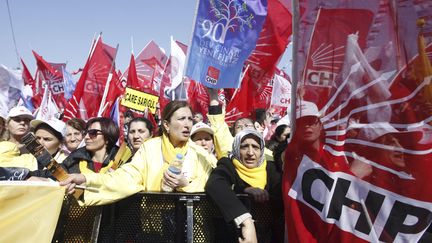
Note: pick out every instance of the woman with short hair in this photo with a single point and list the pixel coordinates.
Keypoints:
(101, 135)
(74, 133)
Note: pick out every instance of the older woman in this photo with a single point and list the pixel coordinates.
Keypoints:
(101, 135)
(74, 133)
(139, 130)
(245, 171)
(202, 135)
(148, 168)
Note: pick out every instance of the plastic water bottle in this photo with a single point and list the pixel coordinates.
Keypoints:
(175, 167)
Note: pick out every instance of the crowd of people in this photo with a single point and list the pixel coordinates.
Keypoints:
(219, 160)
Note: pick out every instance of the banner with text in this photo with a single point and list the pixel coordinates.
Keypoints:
(139, 100)
(225, 33)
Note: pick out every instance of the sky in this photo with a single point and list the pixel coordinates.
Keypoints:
(62, 31)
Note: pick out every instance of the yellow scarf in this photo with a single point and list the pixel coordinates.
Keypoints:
(85, 170)
(169, 152)
(256, 177)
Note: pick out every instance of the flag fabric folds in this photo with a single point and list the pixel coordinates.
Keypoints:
(33, 207)
(50, 75)
(225, 33)
(11, 85)
(90, 86)
(360, 172)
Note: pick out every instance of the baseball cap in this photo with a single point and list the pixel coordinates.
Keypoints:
(19, 111)
(53, 122)
(373, 131)
(201, 127)
(306, 108)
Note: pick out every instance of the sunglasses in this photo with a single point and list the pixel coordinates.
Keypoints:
(92, 133)
(20, 119)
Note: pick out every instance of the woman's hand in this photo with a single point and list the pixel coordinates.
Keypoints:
(213, 96)
(174, 180)
(72, 181)
(248, 232)
(258, 194)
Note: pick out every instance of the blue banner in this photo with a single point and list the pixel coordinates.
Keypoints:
(225, 33)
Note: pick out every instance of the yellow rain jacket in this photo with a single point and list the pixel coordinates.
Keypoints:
(10, 156)
(145, 172)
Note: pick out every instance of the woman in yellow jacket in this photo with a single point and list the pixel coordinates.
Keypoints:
(12, 153)
(148, 168)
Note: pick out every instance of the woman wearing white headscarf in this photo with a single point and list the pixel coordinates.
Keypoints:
(245, 171)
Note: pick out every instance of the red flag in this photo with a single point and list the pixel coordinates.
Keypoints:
(327, 49)
(198, 97)
(149, 68)
(28, 80)
(90, 87)
(251, 95)
(360, 172)
(132, 78)
(115, 90)
(52, 76)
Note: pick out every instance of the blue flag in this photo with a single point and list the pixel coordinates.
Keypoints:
(225, 33)
(69, 84)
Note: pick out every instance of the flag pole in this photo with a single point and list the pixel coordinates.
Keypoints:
(102, 106)
(294, 70)
(183, 89)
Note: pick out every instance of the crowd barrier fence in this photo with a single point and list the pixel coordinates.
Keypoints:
(162, 217)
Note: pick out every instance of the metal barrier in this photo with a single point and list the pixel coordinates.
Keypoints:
(162, 217)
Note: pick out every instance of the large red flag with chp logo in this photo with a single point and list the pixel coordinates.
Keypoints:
(325, 59)
(50, 75)
(358, 166)
(90, 86)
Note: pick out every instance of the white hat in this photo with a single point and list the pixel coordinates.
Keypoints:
(19, 111)
(201, 127)
(306, 108)
(284, 120)
(373, 131)
(53, 122)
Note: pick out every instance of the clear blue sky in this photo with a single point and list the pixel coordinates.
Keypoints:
(62, 31)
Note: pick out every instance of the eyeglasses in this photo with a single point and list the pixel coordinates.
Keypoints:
(92, 133)
(241, 127)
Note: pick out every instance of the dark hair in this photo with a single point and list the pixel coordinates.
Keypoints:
(51, 130)
(148, 124)
(172, 107)
(260, 115)
(77, 123)
(109, 130)
(279, 130)
(129, 114)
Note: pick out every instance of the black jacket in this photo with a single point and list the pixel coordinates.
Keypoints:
(71, 163)
(224, 183)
